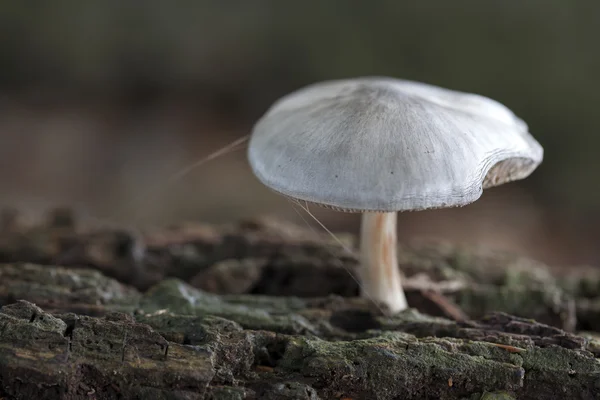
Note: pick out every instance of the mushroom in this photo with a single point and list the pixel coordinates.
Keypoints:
(379, 145)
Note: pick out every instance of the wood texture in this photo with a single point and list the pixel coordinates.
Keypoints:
(291, 327)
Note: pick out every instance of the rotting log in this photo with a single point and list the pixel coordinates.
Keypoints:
(278, 319)
(272, 258)
(179, 342)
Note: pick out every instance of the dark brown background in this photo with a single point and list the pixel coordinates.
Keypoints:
(100, 102)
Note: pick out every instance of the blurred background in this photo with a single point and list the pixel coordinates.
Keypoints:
(101, 102)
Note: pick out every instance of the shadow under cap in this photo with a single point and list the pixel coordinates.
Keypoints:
(382, 144)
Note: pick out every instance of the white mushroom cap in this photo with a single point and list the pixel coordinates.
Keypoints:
(383, 144)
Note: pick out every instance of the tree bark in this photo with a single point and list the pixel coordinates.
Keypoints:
(283, 320)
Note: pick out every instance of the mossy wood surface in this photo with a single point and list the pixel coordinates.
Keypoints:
(261, 310)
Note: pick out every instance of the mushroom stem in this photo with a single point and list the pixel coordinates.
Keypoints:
(379, 272)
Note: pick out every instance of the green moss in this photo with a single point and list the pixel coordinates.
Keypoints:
(555, 358)
(395, 362)
(188, 329)
(15, 319)
(180, 298)
(444, 260)
(576, 371)
(64, 286)
(547, 305)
